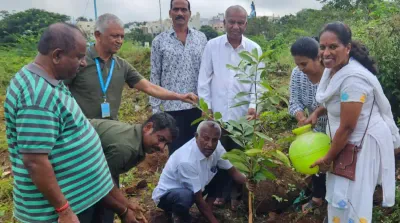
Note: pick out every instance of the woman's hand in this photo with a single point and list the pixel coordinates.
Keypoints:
(324, 164)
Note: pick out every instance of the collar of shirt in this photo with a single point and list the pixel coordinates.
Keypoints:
(241, 46)
(32, 67)
(171, 31)
(92, 52)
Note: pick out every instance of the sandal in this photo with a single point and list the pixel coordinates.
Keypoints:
(310, 206)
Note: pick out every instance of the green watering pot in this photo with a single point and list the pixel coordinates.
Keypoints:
(308, 147)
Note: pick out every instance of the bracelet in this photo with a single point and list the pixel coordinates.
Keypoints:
(63, 208)
(123, 213)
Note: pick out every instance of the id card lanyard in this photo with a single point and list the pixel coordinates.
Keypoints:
(105, 106)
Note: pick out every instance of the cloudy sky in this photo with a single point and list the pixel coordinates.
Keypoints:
(148, 10)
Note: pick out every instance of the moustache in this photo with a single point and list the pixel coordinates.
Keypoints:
(179, 17)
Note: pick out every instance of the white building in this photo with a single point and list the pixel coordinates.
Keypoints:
(87, 28)
(195, 21)
(135, 25)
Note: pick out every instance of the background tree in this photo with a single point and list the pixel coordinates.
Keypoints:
(137, 35)
(209, 32)
(29, 22)
(4, 14)
(81, 18)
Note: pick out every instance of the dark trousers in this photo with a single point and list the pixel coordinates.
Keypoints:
(179, 201)
(228, 189)
(102, 214)
(319, 186)
(184, 119)
(88, 215)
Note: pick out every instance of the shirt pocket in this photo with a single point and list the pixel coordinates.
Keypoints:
(211, 173)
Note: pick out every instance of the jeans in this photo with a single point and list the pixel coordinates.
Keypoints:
(179, 201)
(184, 119)
(228, 189)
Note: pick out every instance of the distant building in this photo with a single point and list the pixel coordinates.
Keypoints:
(217, 22)
(87, 28)
(195, 21)
(155, 27)
(204, 22)
(135, 25)
(220, 17)
(218, 26)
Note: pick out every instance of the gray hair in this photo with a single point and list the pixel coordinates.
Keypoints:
(235, 8)
(211, 124)
(106, 19)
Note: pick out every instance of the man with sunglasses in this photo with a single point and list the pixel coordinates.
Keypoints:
(126, 145)
(175, 64)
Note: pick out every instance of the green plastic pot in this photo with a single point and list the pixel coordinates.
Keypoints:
(308, 147)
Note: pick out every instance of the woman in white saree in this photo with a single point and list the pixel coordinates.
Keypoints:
(352, 94)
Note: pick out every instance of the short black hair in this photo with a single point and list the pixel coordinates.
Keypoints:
(163, 121)
(187, 2)
(58, 35)
(305, 46)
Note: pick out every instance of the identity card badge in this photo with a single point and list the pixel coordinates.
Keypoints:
(105, 110)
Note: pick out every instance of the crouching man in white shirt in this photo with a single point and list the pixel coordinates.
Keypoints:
(189, 172)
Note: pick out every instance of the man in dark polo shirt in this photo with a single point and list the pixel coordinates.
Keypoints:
(126, 145)
(98, 87)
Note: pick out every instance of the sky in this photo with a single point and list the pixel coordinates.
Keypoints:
(148, 10)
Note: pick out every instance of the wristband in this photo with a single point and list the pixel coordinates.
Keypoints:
(63, 208)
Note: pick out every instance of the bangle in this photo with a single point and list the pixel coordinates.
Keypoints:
(123, 213)
(63, 208)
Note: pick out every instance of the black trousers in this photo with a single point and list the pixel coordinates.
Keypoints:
(184, 119)
(319, 186)
(228, 189)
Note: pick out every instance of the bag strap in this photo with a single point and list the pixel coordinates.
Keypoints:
(369, 119)
(366, 129)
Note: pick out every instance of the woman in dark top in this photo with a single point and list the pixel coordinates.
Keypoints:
(303, 88)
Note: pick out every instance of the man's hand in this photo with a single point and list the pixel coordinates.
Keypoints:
(130, 217)
(210, 112)
(251, 114)
(189, 98)
(67, 216)
(138, 211)
(251, 186)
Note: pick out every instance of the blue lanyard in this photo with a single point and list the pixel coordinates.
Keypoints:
(104, 88)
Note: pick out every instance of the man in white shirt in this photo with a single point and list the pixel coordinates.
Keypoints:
(218, 86)
(189, 172)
